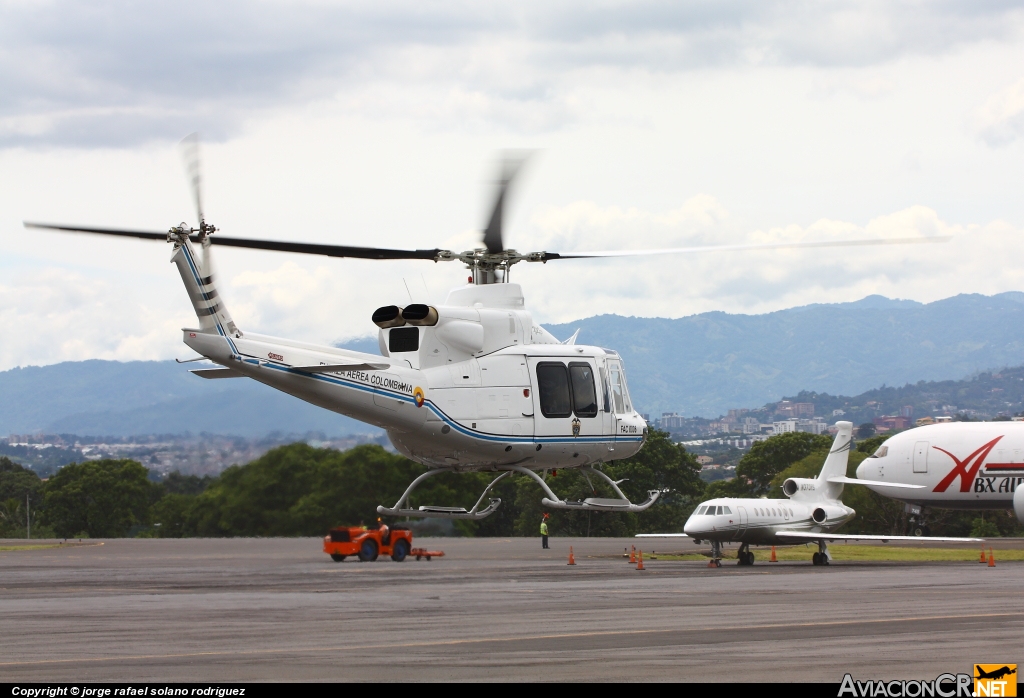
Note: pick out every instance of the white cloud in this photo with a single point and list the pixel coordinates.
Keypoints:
(1000, 120)
(117, 73)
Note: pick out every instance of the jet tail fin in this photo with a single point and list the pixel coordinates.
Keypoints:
(835, 464)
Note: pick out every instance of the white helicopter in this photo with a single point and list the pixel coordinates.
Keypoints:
(474, 384)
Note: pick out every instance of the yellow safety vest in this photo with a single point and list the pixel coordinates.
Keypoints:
(543, 528)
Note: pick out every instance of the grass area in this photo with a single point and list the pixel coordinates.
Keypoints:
(9, 548)
(877, 553)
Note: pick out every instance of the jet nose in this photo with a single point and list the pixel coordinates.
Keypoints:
(692, 526)
(867, 470)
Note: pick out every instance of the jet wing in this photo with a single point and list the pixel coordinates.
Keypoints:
(858, 481)
(336, 368)
(661, 535)
(801, 535)
(217, 373)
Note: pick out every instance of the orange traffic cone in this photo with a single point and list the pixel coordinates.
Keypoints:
(991, 558)
(640, 561)
(982, 560)
(773, 558)
(572, 560)
(632, 555)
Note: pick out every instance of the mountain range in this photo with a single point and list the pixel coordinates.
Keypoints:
(701, 365)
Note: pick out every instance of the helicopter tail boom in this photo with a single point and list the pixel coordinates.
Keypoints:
(197, 275)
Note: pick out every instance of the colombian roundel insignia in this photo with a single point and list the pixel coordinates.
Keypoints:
(419, 396)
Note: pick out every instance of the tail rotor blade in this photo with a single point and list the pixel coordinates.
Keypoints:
(190, 154)
(493, 234)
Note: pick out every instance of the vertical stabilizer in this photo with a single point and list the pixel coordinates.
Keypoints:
(197, 274)
(835, 464)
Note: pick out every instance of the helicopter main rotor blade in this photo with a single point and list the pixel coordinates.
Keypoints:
(142, 234)
(190, 154)
(493, 234)
(756, 246)
(279, 246)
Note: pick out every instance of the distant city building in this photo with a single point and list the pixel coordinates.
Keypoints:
(785, 427)
(907, 411)
(671, 420)
(891, 422)
(705, 460)
(838, 413)
(795, 409)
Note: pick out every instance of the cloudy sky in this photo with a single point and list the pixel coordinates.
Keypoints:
(656, 124)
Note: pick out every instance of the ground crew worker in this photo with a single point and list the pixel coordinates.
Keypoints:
(544, 532)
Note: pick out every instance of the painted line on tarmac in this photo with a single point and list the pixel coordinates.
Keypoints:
(522, 638)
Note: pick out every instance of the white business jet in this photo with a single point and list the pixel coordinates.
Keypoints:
(811, 514)
(958, 465)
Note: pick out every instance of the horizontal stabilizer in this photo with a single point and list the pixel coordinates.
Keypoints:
(661, 535)
(858, 481)
(337, 368)
(801, 535)
(217, 373)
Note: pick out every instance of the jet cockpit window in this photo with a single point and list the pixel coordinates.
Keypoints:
(726, 510)
(553, 389)
(584, 392)
(617, 378)
(701, 510)
(882, 452)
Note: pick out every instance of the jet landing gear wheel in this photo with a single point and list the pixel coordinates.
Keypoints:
(922, 530)
(337, 558)
(400, 550)
(819, 559)
(744, 556)
(368, 551)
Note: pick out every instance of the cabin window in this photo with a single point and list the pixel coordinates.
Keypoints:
(553, 389)
(584, 392)
(403, 339)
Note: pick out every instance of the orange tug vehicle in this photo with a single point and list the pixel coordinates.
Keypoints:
(368, 543)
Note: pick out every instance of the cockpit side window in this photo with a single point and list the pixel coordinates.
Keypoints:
(700, 511)
(726, 510)
(882, 452)
(584, 392)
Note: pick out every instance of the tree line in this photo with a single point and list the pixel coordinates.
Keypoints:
(298, 490)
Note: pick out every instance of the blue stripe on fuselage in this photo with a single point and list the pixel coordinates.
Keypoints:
(483, 436)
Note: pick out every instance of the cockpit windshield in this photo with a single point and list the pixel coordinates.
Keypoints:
(882, 452)
(712, 511)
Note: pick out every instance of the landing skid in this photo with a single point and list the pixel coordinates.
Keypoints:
(432, 512)
(552, 501)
